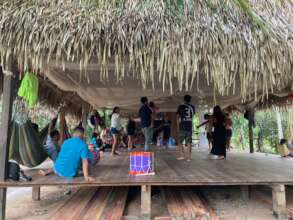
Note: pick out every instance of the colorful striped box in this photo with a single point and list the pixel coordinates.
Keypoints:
(142, 163)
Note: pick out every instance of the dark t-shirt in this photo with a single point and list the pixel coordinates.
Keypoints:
(131, 128)
(186, 113)
(145, 114)
(167, 129)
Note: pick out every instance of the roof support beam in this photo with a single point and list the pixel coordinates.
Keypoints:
(7, 101)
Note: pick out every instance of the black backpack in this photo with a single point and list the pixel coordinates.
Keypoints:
(13, 171)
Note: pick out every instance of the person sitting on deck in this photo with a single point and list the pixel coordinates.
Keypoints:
(185, 115)
(96, 141)
(94, 149)
(285, 149)
(74, 153)
(107, 138)
(51, 146)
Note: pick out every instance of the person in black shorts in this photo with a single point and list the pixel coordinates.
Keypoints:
(130, 132)
(166, 130)
(185, 115)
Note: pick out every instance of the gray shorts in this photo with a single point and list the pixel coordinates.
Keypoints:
(185, 136)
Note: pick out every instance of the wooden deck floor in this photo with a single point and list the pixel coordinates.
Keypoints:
(237, 169)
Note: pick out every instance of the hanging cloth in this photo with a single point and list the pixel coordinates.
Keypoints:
(29, 89)
(26, 145)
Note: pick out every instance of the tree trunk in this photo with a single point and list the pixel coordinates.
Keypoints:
(251, 147)
(279, 123)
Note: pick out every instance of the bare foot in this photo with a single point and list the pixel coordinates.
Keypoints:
(115, 153)
(180, 158)
(45, 172)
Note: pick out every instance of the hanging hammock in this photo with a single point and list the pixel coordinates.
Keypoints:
(26, 145)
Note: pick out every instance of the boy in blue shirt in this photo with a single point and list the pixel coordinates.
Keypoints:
(74, 153)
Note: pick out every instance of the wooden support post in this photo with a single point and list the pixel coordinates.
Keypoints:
(251, 124)
(146, 201)
(245, 193)
(85, 111)
(62, 122)
(279, 201)
(251, 147)
(7, 102)
(36, 193)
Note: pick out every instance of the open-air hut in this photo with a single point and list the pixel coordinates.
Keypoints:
(108, 53)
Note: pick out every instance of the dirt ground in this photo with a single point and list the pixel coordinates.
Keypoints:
(227, 202)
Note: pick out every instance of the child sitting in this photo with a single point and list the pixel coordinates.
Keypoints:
(94, 149)
(283, 149)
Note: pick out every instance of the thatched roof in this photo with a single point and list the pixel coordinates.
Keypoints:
(52, 98)
(229, 50)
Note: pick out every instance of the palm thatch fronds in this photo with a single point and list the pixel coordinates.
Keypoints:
(169, 41)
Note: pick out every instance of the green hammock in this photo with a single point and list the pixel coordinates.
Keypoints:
(26, 145)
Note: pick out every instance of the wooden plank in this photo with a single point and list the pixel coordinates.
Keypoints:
(146, 201)
(237, 169)
(98, 204)
(7, 101)
(212, 212)
(36, 193)
(185, 204)
(73, 208)
(279, 201)
(114, 208)
(94, 204)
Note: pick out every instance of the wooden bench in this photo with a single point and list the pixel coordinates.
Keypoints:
(94, 203)
(186, 204)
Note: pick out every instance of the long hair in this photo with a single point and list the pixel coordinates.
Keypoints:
(218, 114)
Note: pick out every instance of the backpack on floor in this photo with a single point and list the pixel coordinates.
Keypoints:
(13, 171)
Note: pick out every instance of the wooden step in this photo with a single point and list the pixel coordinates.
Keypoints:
(94, 204)
(186, 204)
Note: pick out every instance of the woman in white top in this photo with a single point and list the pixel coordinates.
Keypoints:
(115, 128)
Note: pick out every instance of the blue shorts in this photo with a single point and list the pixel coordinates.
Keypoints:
(114, 131)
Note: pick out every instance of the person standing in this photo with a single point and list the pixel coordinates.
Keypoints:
(185, 115)
(115, 129)
(130, 132)
(145, 114)
(219, 140)
(229, 130)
